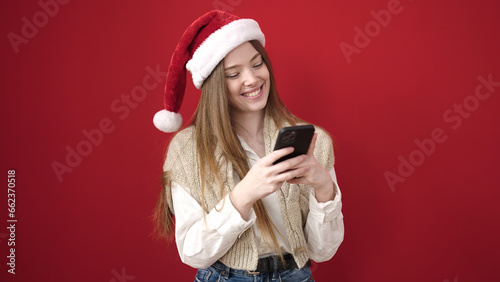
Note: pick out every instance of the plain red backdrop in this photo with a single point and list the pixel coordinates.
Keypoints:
(79, 67)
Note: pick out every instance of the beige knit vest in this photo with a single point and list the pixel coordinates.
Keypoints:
(182, 164)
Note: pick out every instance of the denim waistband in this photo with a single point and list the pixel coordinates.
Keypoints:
(268, 264)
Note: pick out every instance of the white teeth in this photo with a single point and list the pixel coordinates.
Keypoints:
(252, 94)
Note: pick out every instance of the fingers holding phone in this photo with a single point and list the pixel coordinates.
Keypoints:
(265, 178)
(315, 175)
(268, 176)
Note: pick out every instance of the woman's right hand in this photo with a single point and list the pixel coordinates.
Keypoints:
(265, 178)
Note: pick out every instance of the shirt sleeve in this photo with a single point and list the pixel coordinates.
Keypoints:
(324, 228)
(200, 240)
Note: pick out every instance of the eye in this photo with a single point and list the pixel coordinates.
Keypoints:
(258, 65)
(232, 75)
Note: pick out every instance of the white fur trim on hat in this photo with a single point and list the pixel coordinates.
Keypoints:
(219, 44)
(167, 121)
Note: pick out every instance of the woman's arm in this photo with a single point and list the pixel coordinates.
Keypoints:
(324, 228)
(201, 242)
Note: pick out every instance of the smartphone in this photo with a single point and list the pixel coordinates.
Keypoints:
(299, 137)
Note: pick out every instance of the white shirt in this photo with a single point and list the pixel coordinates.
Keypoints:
(202, 241)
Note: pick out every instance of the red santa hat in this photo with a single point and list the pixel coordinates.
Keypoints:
(202, 46)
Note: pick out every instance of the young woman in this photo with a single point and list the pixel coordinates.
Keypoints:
(238, 216)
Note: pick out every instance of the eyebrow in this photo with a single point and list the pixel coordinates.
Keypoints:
(234, 66)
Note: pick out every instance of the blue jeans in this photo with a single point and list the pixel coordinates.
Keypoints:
(220, 272)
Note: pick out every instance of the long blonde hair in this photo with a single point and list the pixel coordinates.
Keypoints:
(213, 128)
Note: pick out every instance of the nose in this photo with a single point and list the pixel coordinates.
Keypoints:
(250, 78)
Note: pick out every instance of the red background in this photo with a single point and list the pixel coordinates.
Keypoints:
(440, 222)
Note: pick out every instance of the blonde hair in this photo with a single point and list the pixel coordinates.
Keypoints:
(213, 127)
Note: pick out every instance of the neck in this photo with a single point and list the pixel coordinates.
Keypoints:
(249, 125)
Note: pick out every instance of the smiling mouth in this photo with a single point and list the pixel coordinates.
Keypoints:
(253, 93)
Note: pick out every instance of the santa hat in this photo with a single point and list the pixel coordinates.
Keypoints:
(202, 46)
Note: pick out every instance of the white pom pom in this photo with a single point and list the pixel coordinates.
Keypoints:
(167, 121)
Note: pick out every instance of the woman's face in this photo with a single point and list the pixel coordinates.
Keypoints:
(247, 79)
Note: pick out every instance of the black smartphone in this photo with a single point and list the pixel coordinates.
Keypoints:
(299, 137)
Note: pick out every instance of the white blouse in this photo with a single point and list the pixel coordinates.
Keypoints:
(202, 241)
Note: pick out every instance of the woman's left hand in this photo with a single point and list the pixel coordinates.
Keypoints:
(316, 175)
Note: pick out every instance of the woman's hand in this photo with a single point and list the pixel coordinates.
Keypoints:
(315, 175)
(265, 178)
